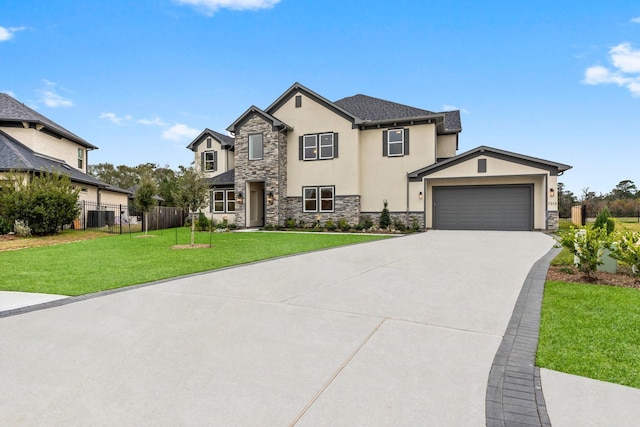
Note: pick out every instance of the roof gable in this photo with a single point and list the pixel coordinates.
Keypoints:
(226, 142)
(12, 110)
(553, 167)
(277, 124)
(298, 88)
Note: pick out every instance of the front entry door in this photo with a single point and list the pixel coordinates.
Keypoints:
(256, 204)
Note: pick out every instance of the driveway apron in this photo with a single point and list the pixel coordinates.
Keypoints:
(395, 332)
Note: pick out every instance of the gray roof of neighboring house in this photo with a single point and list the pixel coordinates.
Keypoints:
(371, 109)
(491, 152)
(225, 141)
(226, 178)
(14, 156)
(12, 110)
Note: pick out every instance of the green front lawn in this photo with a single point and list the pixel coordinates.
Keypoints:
(592, 331)
(95, 265)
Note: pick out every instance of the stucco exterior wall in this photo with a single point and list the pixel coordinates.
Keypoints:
(385, 178)
(225, 157)
(40, 142)
(446, 146)
(311, 118)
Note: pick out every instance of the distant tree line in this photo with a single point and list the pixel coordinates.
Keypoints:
(621, 201)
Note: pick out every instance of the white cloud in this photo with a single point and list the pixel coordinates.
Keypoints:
(7, 33)
(209, 7)
(157, 121)
(447, 107)
(625, 72)
(636, 20)
(51, 98)
(179, 132)
(114, 118)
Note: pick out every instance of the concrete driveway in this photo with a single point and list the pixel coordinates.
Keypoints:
(396, 332)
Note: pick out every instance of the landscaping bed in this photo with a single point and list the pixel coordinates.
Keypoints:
(622, 278)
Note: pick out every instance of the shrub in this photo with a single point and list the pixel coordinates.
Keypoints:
(343, 224)
(604, 221)
(627, 249)
(268, 227)
(291, 223)
(399, 225)
(330, 225)
(366, 222)
(385, 217)
(415, 224)
(301, 223)
(587, 246)
(44, 203)
(202, 223)
(5, 226)
(21, 229)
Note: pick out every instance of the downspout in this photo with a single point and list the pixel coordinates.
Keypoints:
(407, 216)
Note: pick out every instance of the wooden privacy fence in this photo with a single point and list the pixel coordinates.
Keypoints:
(118, 219)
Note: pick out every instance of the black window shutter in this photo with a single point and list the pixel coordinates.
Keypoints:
(300, 148)
(335, 145)
(406, 142)
(202, 161)
(215, 160)
(385, 151)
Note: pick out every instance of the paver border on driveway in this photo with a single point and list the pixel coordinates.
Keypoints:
(514, 392)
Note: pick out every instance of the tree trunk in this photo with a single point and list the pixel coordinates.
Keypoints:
(146, 223)
(193, 231)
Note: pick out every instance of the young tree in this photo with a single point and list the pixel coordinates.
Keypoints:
(144, 198)
(191, 193)
(385, 217)
(44, 202)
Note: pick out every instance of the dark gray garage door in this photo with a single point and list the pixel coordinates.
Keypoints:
(491, 207)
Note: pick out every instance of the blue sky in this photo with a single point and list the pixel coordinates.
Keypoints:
(553, 79)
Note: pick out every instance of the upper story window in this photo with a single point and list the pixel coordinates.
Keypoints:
(395, 142)
(255, 146)
(320, 146)
(80, 158)
(209, 160)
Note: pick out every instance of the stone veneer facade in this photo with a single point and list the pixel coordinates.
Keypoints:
(347, 207)
(271, 169)
(553, 220)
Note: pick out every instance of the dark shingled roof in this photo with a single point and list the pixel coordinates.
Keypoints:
(226, 178)
(14, 156)
(226, 141)
(12, 110)
(371, 109)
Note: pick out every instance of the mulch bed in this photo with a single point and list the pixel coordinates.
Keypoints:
(623, 278)
(198, 246)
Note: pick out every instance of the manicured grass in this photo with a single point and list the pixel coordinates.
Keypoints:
(592, 331)
(112, 262)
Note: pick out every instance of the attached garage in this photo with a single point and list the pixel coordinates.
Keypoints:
(488, 189)
(483, 207)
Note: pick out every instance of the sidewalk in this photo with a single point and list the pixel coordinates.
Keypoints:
(13, 300)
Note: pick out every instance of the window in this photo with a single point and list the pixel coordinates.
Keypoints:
(482, 165)
(221, 201)
(395, 142)
(298, 101)
(80, 158)
(209, 161)
(318, 199)
(310, 147)
(255, 146)
(326, 146)
(319, 146)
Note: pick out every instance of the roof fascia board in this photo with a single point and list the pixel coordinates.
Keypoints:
(552, 167)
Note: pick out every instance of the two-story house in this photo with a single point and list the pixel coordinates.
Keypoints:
(30, 143)
(311, 159)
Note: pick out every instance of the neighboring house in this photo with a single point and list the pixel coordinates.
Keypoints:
(31, 143)
(310, 159)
